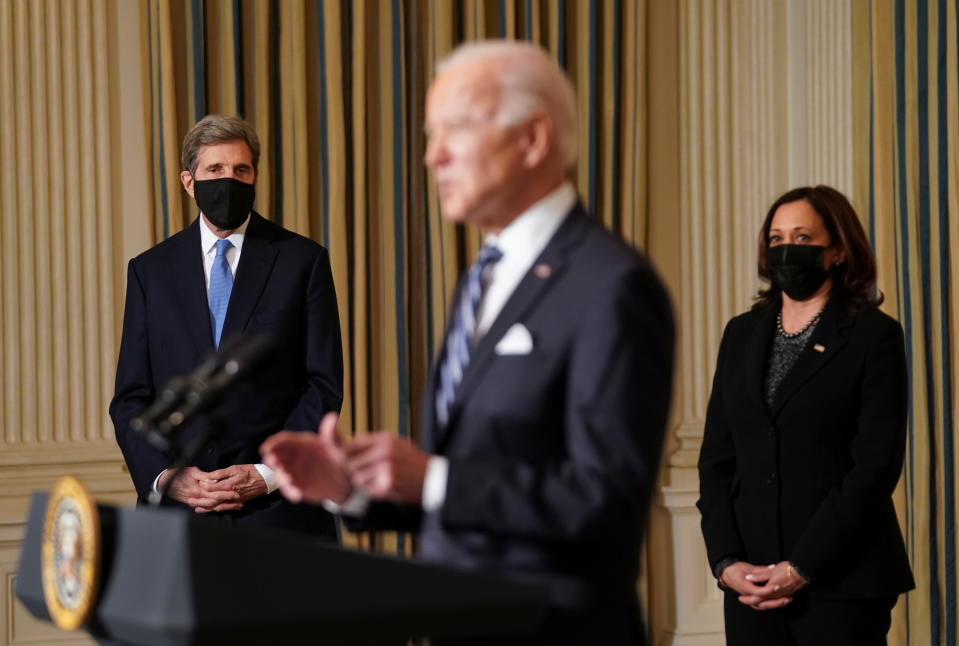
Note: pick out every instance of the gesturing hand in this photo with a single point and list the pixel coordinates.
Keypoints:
(309, 467)
(387, 467)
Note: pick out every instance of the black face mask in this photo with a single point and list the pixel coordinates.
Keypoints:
(225, 202)
(797, 269)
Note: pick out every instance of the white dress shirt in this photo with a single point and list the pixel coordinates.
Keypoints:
(521, 243)
(208, 247)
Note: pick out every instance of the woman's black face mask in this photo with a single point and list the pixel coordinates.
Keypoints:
(797, 269)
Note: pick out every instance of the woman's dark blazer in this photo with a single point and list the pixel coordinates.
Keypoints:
(811, 479)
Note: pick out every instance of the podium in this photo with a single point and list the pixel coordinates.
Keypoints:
(170, 578)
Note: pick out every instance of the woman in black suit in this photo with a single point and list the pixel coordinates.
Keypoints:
(804, 439)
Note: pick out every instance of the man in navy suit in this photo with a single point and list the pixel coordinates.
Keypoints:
(543, 420)
(230, 273)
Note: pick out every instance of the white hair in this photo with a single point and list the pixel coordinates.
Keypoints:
(529, 78)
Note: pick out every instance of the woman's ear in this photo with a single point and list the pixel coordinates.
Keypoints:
(839, 256)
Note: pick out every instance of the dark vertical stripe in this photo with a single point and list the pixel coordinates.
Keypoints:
(324, 128)
(151, 143)
(238, 58)
(925, 259)
(399, 238)
(162, 188)
(593, 112)
(199, 60)
(635, 145)
(901, 117)
(427, 236)
(502, 18)
(459, 23)
(277, 119)
(872, 163)
(348, 206)
(529, 20)
(948, 444)
(561, 37)
(617, 102)
(399, 241)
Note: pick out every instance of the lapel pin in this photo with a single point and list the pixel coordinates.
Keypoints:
(819, 347)
(542, 271)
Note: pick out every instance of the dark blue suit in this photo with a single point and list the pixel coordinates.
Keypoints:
(283, 287)
(553, 454)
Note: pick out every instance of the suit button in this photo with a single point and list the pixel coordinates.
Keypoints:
(772, 478)
(210, 450)
(771, 431)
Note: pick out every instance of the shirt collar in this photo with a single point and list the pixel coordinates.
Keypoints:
(208, 240)
(535, 223)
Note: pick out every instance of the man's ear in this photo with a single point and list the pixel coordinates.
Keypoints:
(538, 138)
(187, 180)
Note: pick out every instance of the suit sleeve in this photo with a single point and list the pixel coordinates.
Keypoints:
(323, 390)
(135, 389)
(618, 384)
(717, 472)
(846, 516)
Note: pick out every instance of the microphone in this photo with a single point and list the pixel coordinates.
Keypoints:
(155, 421)
(169, 397)
(234, 364)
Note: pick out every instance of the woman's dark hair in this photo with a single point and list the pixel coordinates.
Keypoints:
(855, 277)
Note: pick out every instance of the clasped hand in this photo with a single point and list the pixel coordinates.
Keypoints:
(316, 467)
(221, 490)
(763, 587)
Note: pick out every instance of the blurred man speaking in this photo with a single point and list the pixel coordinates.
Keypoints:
(544, 415)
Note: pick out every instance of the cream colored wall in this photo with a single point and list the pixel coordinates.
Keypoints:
(73, 208)
(748, 98)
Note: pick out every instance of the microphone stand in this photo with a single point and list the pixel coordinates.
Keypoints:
(189, 454)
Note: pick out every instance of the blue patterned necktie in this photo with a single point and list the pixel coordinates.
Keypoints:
(221, 285)
(460, 335)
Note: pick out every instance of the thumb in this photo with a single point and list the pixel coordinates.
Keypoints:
(327, 429)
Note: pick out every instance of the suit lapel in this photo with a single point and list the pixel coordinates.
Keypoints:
(823, 345)
(191, 288)
(256, 262)
(757, 355)
(529, 291)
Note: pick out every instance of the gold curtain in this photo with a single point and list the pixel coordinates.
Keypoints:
(907, 160)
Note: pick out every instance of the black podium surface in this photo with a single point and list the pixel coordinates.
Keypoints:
(171, 578)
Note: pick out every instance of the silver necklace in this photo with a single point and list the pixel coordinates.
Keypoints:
(801, 331)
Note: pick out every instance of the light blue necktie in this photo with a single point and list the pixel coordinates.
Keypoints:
(460, 336)
(221, 285)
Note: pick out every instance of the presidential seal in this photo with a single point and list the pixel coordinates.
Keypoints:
(71, 554)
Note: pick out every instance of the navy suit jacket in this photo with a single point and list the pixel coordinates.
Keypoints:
(553, 454)
(283, 287)
(810, 479)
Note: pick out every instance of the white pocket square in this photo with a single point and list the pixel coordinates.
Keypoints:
(517, 340)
